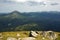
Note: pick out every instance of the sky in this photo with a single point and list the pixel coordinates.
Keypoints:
(29, 5)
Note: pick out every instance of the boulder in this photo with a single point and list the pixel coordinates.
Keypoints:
(28, 38)
(18, 35)
(33, 34)
(11, 38)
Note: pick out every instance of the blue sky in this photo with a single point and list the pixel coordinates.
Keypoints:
(29, 5)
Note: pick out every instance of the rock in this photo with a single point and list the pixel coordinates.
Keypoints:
(11, 38)
(43, 38)
(0, 33)
(43, 33)
(28, 38)
(52, 35)
(18, 35)
(1, 36)
(33, 34)
(19, 38)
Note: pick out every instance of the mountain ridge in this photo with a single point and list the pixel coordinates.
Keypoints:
(25, 21)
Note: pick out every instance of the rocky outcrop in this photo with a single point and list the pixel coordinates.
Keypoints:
(33, 34)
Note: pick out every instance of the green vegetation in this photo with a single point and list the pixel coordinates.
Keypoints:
(27, 27)
(24, 34)
(38, 21)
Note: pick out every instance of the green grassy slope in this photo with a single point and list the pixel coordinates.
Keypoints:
(24, 34)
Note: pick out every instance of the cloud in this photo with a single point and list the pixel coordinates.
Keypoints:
(33, 3)
(55, 4)
(29, 6)
(25, 0)
(18, 0)
(30, 0)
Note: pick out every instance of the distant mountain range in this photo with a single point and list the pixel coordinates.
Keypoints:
(16, 21)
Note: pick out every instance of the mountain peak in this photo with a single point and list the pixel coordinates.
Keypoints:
(15, 11)
(16, 14)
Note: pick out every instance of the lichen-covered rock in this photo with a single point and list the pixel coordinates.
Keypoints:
(11, 38)
(28, 38)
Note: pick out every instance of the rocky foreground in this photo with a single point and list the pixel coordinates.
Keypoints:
(30, 35)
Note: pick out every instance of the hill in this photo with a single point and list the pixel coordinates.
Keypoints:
(38, 21)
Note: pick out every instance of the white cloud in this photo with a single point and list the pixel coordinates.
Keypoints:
(29, 6)
(27, 0)
(41, 0)
(20, 0)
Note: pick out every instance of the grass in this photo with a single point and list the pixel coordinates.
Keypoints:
(23, 34)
